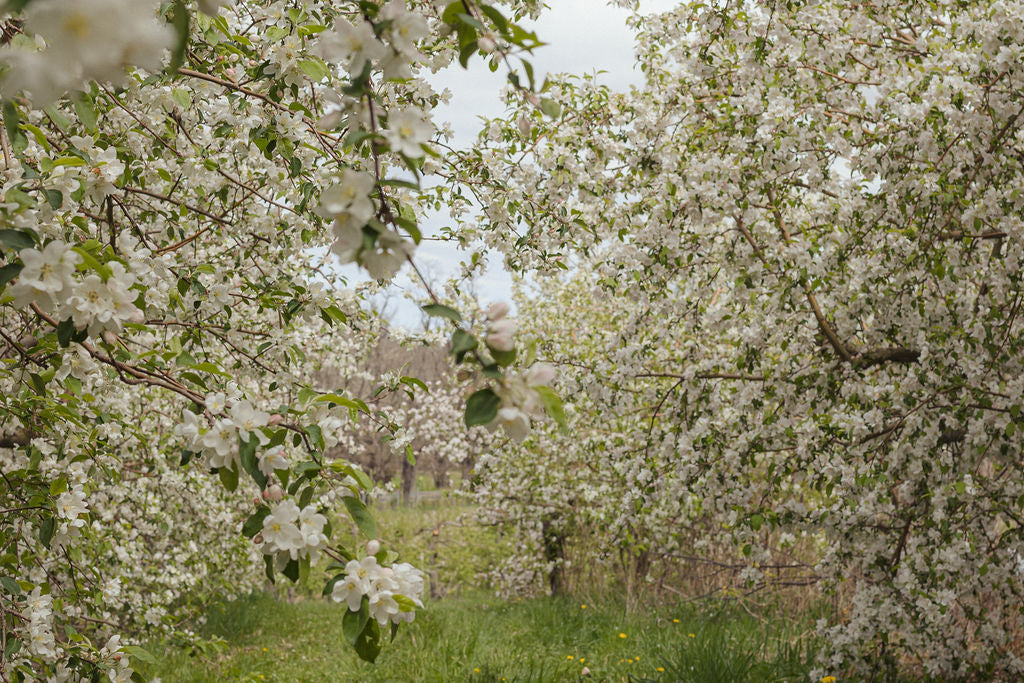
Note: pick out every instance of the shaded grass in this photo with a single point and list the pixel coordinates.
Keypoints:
(476, 638)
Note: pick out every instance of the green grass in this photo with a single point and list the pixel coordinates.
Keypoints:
(478, 638)
(466, 634)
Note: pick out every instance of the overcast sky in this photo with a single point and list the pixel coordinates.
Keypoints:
(582, 36)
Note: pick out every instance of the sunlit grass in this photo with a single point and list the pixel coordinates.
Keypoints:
(477, 638)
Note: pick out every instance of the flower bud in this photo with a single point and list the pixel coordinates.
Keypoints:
(585, 671)
(257, 539)
(373, 547)
(540, 374)
(497, 311)
(275, 419)
(273, 493)
(524, 126)
(486, 44)
(499, 336)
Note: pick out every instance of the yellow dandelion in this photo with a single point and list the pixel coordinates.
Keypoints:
(476, 671)
(622, 635)
(264, 649)
(629, 661)
(660, 669)
(675, 621)
(692, 635)
(828, 679)
(637, 658)
(582, 659)
(583, 607)
(569, 657)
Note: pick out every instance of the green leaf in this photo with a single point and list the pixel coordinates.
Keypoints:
(181, 22)
(395, 182)
(550, 107)
(329, 585)
(46, 530)
(361, 516)
(335, 314)
(339, 401)
(9, 272)
(442, 311)
(210, 368)
(503, 358)
(368, 644)
(353, 623)
(361, 477)
(10, 585)
(89, 261)
(136, 652)
(756, 522)
(65, 330)
(314, 68)
(316, 436)
(291, 570)
(247, 454)
(482, 408)
(85, 108)
(12, 123)
(58, 486)
(17, 239)
(228, 477)
(254, 524)
(415, 382)
(494, 15)
(275, 33)
(462, 343)
(181, 96)
(553, 406)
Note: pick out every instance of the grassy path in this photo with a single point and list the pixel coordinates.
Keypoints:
(483, 639)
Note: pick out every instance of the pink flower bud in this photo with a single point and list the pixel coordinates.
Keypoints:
(273, 493)
(275, 419)
(486, 44)
(524, 126)
(497, 311)
(257, 539)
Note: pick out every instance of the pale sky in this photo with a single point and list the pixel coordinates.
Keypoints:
(582, 36)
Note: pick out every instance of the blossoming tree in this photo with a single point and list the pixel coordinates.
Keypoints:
(804, 237)
(176, 177)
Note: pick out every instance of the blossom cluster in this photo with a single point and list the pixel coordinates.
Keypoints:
(392, 593)
(292, 533)
(93, 303)
(69, 43)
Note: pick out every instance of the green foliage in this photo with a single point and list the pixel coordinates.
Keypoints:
(482, 407)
